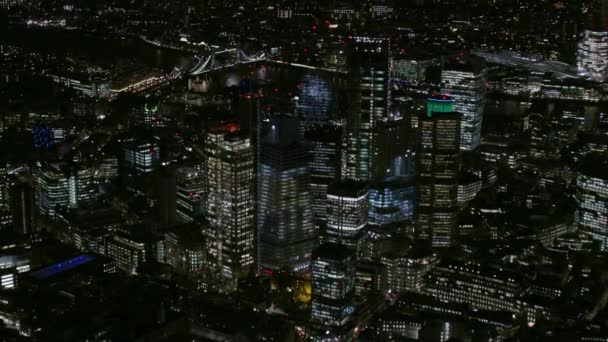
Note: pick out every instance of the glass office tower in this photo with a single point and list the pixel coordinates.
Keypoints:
(347, 214)
(438, 167)
(464, 82)
(368, 60)
(333, 285)
(324, 148)
(286, 231)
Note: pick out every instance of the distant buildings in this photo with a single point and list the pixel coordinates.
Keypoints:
(392, 201)
(592, 199)
(190, 193)
(21, 203)
(57, 186)
(185, 248)
(592, 55)
(313, 103)
(142, 157)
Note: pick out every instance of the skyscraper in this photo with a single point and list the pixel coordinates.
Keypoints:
(347, 214)
(324, 148)
(592, 199)
(368, 60)
(438, 167)
(21, 195)
(229, 169)
(189, 192)
(333, 285)
(592, 55)
(464, 81)
(314, 102)
(285, 227)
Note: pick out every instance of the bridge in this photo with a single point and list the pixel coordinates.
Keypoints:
(225, 59)
(235, 56)
(531, 63)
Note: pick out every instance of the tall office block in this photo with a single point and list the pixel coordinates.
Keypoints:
(368, 60)
(21, 195)
(438, 167)
(313, 102)
(4, 186)
(324, 148)
(465, 83)
(229, 170)
(167, 195)
(592, 199)
(286, 232)
(592, 55)
(347, 214)
(333, 284)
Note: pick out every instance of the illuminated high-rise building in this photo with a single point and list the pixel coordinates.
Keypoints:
(438, 167)
(190, 194)
(286, 231)
(21, 196)
(592, 55)
(392, 201)
(229, 170)
(313, 102)
(324, 148)
(592, 198)
(59, 186)
(5, 217)
(464, 82)
(142, 157)
(4, 186)
(333, 285)
(347, 214)
(368, 60)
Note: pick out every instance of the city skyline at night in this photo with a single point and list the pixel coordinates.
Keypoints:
(304, 170)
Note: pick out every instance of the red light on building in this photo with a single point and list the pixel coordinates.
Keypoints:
(232, 127)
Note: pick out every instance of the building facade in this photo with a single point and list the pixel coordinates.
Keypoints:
(286, 232)
(592, 55)
(368, 60)
(465, 84)
(229, 170)
(591, 215)
(438, 168)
